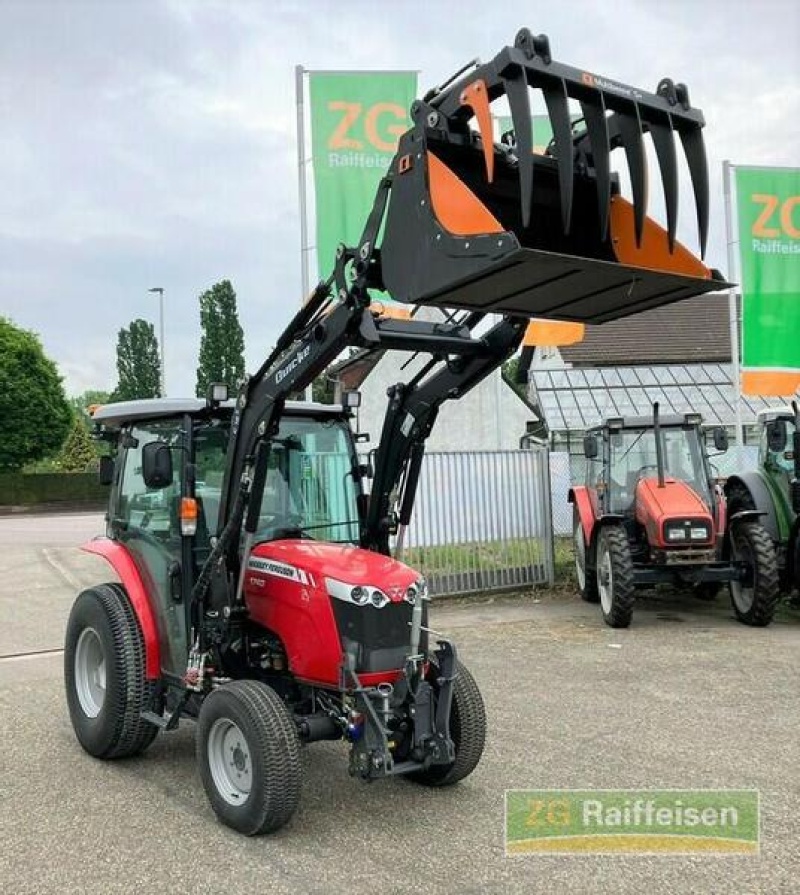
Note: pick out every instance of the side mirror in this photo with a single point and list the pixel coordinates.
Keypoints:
(157, 464)
(106, 471)
(721, 439)
(590, 449)
(776, 436)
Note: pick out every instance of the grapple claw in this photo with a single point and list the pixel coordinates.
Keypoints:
(489, 230)
(555, 96)
(695, 149)
(594, 116)
(516, 88)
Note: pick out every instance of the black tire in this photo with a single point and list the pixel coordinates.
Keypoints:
(104, 674)
(614, 576)
(754, 600)
(257, 789)
(584, 572)
(467, 730)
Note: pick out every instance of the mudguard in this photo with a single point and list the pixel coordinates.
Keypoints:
(579, 496)
(762, 498)
(117, 556)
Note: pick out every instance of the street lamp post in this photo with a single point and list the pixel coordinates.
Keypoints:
(162, 383)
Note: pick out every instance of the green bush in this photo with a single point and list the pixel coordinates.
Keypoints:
(18, 489)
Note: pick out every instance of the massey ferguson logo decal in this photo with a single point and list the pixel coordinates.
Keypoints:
(278, 570)
(301, 355)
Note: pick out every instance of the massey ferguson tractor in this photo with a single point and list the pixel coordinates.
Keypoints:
(651, 512)
(774, 489)
(257, 594)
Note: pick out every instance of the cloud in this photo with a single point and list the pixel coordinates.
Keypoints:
(153, 144)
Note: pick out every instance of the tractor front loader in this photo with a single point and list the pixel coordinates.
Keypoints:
(257, 592)
(651, 512)
(774, 490)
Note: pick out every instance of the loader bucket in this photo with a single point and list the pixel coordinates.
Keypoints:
(500, 228)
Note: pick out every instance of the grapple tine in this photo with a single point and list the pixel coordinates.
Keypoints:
(476, 97)
(594, 115)
(664, 142)
(516, 88)
(555, 96)
(695, 149)
(630, 130)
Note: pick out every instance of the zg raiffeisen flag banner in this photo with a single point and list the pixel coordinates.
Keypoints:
(356, 121)
(768, 204)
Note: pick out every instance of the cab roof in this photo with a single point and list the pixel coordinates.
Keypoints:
(123, 412)
(665, 420)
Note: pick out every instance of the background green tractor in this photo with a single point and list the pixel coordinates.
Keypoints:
(774, 489)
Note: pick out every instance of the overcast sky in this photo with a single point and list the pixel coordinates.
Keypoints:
(152, 142)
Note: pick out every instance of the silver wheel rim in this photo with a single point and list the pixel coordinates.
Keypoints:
(229, 761)
(605, 577)
(90, 672)
(580, 557)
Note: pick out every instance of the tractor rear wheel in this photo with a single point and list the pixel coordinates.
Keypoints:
(587, 581)
(755, 597)
(467, 730)
(615, 576)
(249, 757)
(104, 674)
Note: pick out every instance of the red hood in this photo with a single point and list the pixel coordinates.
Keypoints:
(676, 498)
(311, 562)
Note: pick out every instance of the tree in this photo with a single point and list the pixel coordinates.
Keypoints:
(78, 453)
(81, 403)
(222, 342)
(511, 376)
(34, 414)
(138, 364)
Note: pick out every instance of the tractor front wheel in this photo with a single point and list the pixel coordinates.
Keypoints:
(587, 581)
(467, 730)
(755, 596)
(615, 576)
(104, 674)
(249, 757)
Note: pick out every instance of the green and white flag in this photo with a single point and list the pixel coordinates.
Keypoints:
(768, 205)
(356, 121)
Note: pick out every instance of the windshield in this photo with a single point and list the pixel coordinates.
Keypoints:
(633, 456)
(310, 490)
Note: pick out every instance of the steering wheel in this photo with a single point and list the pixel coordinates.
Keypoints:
(646, 466)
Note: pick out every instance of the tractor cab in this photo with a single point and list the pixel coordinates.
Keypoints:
(623, 453)
(167, 479)
(776, 447)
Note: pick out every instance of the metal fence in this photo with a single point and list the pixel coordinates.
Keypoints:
(482, 521)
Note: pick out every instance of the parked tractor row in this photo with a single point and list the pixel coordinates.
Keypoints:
(652, 512)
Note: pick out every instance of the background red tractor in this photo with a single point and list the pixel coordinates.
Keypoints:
(652, 512)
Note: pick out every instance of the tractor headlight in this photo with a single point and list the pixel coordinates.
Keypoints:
(358, 594)
(699, 533)
(677, 534)
(415, 591)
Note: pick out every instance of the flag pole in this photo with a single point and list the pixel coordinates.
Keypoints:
(733, 314)
(299, 73)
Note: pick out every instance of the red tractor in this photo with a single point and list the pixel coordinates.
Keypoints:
(651, 512)
(256, 592)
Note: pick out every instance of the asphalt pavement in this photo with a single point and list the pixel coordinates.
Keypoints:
(687, 698)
